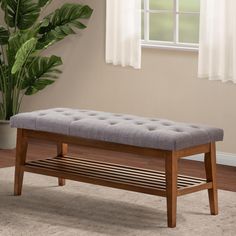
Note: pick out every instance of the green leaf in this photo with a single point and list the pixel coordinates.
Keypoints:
(16, 41)
(31, 90)
(23, 54)
(85, 12)
(42, 71)
(43, 3)
(38, 85)
(61, 23)
(21, 14)
(4, 36)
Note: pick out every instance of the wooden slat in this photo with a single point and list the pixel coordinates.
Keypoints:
(87, 173)
(120, 171)
(111, 172)
(127, 171)
(134, 169)
(152, 172)
(71, 176)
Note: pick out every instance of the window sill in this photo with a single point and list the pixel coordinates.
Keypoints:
(171, 47)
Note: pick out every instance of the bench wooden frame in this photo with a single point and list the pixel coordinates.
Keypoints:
(166, 184)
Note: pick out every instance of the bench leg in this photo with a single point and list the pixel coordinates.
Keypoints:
(21, 150)
(62, 149)
(171, 168)
(210, 167)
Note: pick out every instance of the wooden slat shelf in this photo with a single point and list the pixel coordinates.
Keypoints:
(113, 175)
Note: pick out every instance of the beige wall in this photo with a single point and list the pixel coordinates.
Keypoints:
(165, 87)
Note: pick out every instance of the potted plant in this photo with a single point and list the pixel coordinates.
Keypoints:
(23, 70)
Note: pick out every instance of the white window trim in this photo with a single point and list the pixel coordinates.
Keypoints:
(170, 46)
(175, 45)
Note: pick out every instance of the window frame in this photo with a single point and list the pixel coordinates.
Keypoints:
(175, 44)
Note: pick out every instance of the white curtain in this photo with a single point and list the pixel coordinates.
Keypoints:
(217, 54)
(123, 32)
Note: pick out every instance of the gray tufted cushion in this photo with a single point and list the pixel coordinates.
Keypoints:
(118, 128)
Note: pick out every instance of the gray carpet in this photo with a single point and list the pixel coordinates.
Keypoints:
(83, 209)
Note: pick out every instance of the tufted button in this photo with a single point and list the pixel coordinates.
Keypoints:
(92, 114)
(166, 124)
(117, 115)
(42, 114)
(178, 130)
(113, 123)
(139, 123)
(102, 118)
(194, 126)
(154, 120)
(67, 114)
(128, 118)
(152, 128)
(59, 110)
(76, 118)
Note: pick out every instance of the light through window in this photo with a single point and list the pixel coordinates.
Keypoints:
(171, 23)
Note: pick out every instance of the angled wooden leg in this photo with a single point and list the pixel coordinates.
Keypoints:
(21, 150)
(210, 167)
(62, 149)
(171, 168)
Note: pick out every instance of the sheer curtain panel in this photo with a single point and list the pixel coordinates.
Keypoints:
(123, 32)
(217, 49)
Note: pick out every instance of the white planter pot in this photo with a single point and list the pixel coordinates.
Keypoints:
(7, 135)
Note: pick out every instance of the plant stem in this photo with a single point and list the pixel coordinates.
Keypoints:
(3, 55)
(19, 103)
(17, 88)
(17, 13)
(3, 92)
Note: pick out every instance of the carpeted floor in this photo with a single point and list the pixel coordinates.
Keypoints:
(83, 209)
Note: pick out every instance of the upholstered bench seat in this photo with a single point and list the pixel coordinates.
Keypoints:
(148, 137)
(118, 128)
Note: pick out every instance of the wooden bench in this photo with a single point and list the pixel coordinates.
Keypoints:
(124, 133)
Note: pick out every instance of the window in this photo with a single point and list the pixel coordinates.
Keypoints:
(171, 23)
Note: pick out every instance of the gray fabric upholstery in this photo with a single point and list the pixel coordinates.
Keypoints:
(118, 128)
